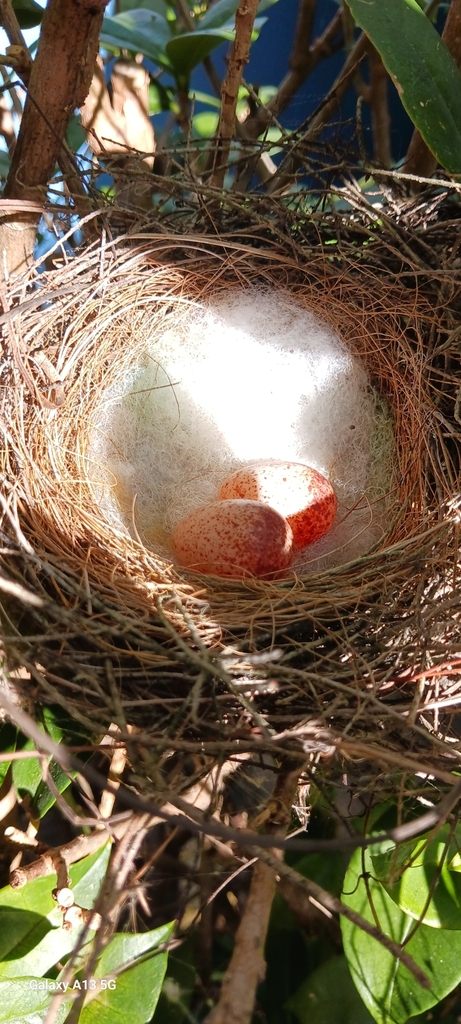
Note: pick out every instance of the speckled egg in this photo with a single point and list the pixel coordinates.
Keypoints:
(301, 494)
(234, 538)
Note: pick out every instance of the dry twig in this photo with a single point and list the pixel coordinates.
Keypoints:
(238, 58)
(288, 167)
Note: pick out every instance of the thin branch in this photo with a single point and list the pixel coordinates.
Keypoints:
(68, 854)
(247, 965)
(375, 93)
(238, 58)
(332, 100)
(107, 908)
(304, 58)
(195, 821)
(68, 45)
(9, 23)
(335, 906)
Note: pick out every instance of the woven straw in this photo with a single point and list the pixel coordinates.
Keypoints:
(364, 658)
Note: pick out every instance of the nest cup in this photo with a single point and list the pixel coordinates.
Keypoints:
(246, 374)
(99, 614)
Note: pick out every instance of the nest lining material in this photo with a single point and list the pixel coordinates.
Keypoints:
(252, 376)
(115, 631)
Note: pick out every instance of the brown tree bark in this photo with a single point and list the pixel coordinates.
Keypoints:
(59, 82)
(238, 58)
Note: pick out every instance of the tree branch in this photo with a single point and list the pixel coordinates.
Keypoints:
(289, 166)
(304, 58)
(67, 49)
(247, 966)
(376, 95)
(69, 853)
(335, 906)
(301, 62)
(238, 58)
(193, 819)
(9, 23)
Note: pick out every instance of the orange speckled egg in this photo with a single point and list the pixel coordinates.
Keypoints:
(302, 495)
(234, 538)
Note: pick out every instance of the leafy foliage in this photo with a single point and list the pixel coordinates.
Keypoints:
(153, 32)
(425, 74)
(423, 878)
(128, 976)
(32, 937)
(328, 996)
(27, 772)
(137, 979)
(28, 13)
(390, 992)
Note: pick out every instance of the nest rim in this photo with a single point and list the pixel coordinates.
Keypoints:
(408, 396)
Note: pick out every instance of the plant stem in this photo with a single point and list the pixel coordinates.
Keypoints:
(238, 58)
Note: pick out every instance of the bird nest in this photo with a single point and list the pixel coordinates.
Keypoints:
(358, 660)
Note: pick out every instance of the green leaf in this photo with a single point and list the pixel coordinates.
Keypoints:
(8, 732)
(205, 97)
(43, 798)
(87, 876)
(190, 48)
(32, 938)
(223, 12)
(157, 6)
(390, 992)
(328, 996)
(417, 868)
(28, 13)
(124, 948)
(159, 98)
(205, 123)
(22, 1002)
(328, 872)
(134, 997)
(136, 991)
(140, 31)
(27, 772)
(423, 71)
(219, 14)
(75, 135)
(179, 985)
